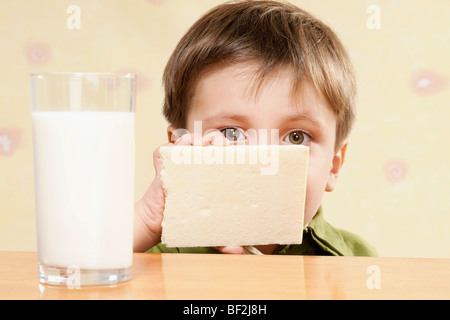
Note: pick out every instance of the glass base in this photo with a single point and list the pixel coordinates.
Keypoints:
(73, 277)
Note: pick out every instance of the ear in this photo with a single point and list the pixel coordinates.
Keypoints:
(171, 134)
(336, 165)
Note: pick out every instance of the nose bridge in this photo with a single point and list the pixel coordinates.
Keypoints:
(262, 136)
(263, 124)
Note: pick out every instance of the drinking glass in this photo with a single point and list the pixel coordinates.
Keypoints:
(84, 151)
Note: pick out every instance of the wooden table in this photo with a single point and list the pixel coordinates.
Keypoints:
(193, 276)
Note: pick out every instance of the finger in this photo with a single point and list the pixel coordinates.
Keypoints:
(231, 249)
(190, 139)
(185, 139)
(157, 158)
(215, 138)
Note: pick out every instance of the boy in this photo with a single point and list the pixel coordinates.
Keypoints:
(261, 65)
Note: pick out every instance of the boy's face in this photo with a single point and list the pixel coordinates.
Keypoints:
(224, 101)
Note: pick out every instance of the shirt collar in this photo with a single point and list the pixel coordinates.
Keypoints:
(327, 237)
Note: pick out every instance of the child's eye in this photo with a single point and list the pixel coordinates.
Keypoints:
(297, 137)
(233, 134)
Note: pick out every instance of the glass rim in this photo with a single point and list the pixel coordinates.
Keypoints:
(84, 74)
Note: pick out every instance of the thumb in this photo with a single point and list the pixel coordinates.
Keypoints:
(231, 249)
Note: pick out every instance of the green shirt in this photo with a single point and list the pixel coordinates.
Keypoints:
(319, 238)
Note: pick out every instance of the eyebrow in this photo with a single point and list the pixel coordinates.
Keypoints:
(245, 119)
(296, 117)
(229, 117)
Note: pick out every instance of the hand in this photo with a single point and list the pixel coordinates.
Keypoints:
(149, 210)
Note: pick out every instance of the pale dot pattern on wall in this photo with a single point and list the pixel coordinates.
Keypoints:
(415, 95)
(38, 52)
(9, 140)
(426, 82)
(395, 171)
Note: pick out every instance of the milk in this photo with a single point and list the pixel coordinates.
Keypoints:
(84, 180)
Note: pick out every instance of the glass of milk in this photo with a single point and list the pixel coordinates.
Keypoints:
(84, 149)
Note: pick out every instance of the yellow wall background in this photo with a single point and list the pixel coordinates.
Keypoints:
(394, 190)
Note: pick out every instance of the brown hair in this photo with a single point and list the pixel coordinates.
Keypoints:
(273, 34)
